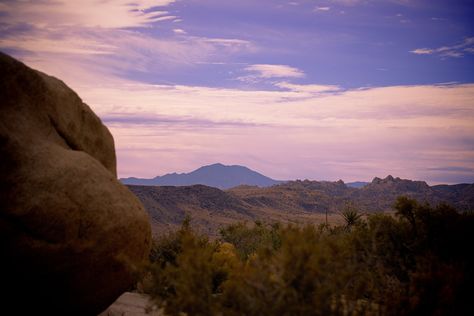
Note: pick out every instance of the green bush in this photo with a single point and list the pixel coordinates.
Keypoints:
(248, 239)
(417, 263)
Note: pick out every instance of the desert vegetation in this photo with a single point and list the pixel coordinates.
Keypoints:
(417, 262)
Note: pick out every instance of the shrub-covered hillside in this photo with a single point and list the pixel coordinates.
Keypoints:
(417, 263)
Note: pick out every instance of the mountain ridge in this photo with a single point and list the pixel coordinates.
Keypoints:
(300, 201)
(226, 177)
(215, 175)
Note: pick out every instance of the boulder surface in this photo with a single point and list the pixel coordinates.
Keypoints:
(70, 233)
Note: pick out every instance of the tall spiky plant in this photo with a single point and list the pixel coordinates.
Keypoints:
(351, 216)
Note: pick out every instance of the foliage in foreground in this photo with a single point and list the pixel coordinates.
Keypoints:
(418, 263)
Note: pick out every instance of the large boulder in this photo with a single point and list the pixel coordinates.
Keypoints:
(71, 235)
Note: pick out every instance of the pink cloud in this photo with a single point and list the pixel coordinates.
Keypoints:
(85, 13)
(354, 134)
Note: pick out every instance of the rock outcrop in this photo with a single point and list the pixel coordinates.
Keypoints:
(70, 233)
(133, 304)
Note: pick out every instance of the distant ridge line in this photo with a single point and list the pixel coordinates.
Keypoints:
(216, 175)
(225, 177)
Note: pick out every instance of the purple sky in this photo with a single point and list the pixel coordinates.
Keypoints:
(325, 90)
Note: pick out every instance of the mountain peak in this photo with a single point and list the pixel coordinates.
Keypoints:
(376, 180)
(404, 184)
(217, 164)
(387, 179)
(215, 175)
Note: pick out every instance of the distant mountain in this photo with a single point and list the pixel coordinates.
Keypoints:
(357, 184)
(216, 175)
(293, 201)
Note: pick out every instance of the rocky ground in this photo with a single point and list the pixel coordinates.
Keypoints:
(132, 304)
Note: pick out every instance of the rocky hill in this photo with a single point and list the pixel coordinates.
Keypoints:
(294, 201)
(379, 195)
(209, 207)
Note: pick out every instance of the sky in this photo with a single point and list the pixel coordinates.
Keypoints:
(303, 89)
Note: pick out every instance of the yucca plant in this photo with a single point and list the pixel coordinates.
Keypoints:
(351, 217)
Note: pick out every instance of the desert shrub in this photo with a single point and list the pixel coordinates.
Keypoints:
(186, 271)
(417, 263)
(312, 273)
(247, 239)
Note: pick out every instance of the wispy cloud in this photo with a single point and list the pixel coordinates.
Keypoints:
(355, 133)
(84, 46)
(171, 122)
(453, 169)
(108, 51)
(266, 71)
(71, 53)
(68, 39)
(179, 31)
(227, 41)
(324, 9)
(85, 13)
(361, 2)
(458, 50)
(164, 18)
(350, 2)
(309, 88)
(422, 51)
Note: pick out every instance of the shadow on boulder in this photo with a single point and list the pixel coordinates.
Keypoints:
(70, 233)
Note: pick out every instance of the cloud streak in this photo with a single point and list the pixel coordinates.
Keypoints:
(403, 130)
(275, 71)
(308, 88)
(322, 9)
(113, 53)
(454, 51)
(260, 72)
(180, 89)
(85, 13)
(179, 31)
(170, 122)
